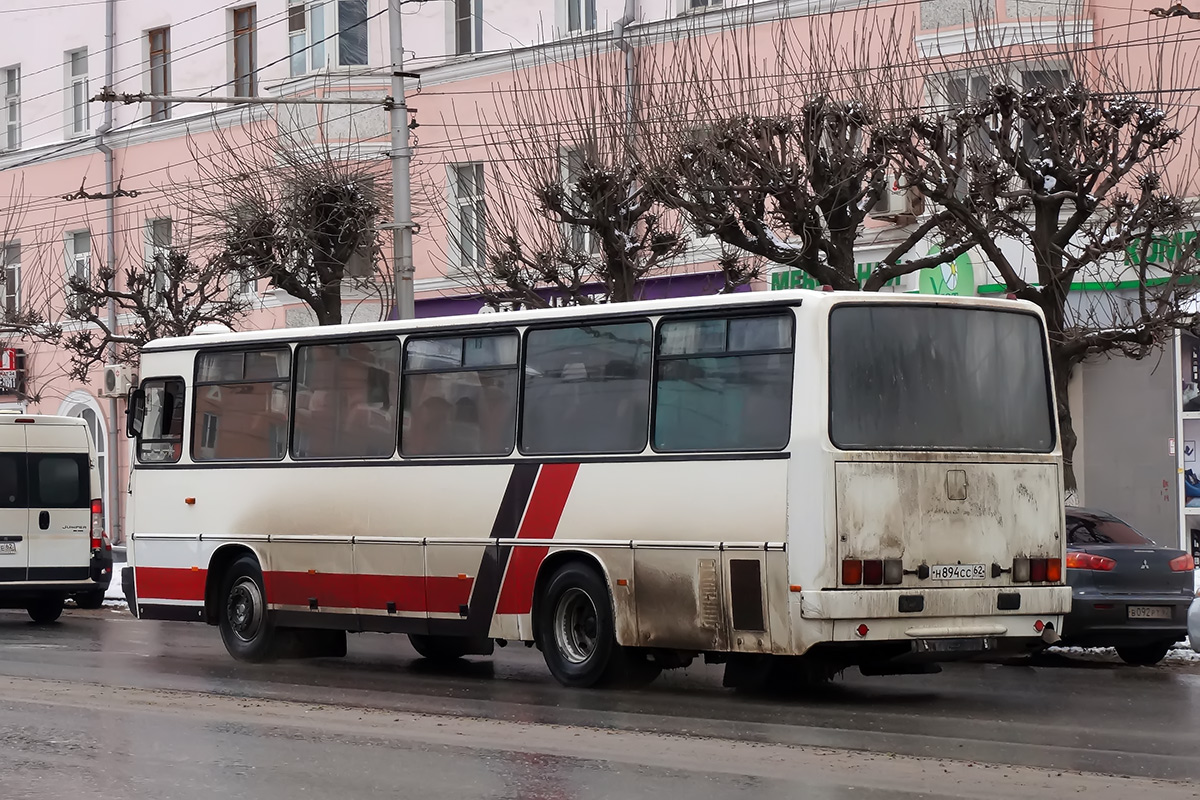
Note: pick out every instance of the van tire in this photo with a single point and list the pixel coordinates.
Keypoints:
(243, 618)
(90, 601)
(577, 633)
(46, 610)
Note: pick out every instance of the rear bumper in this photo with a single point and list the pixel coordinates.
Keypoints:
(1109, 624)
(1008, 614)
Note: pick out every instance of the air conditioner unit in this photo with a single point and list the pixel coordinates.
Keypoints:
(899, 203)
(118, 379)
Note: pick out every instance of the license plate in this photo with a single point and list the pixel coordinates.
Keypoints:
(971, 645)
(1149, 612)
(958, 572)
(8, 548)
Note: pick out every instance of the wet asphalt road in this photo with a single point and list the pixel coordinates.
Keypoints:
(102, 705)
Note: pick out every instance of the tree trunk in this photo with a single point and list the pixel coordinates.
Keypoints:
(1062, 369)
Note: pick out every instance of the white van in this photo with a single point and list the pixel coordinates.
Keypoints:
(53, 545)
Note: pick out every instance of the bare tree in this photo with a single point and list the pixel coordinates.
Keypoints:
(281, 202)
(1071, 172)
(571, 207)
(172, 295)
(789, 145)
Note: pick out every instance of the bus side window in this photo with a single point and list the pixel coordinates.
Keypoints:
(161, 438)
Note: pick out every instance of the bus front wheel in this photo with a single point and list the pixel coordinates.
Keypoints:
(577, 633)
(246, 628)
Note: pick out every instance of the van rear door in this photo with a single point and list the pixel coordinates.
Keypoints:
(14, 505)
(60, 504)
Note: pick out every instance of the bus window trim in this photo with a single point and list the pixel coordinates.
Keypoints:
(197, 384)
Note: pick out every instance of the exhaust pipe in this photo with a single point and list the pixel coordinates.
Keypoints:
(1050, 636)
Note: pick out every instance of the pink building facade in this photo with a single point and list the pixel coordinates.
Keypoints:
(56, 142)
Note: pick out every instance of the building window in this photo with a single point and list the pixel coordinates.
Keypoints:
(208, 432)
(77, 89)
(352, 33)
(468, 32)
(12, 108)
(159, 40)
(158, 250)
(245, 52)
(10, 256)
(581, 16)
(580, 237)
(468, 217)
(587, 389)
(700, 5)
(297, 38)
(79, 266)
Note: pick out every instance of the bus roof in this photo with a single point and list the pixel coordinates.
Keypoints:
(742, 300)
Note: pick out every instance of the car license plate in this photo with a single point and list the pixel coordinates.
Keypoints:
(958, 572)
(8, 548)
(1149, 612)
(970, 645)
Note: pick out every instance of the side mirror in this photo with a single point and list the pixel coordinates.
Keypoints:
(135, 413)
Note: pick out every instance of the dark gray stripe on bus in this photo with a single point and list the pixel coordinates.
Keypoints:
(486, 590)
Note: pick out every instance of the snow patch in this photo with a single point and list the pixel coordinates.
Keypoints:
(1181, 653)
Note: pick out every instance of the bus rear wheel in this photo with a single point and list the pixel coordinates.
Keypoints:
(246, 628)
(577, 633)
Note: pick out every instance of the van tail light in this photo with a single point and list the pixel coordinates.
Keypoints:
(1183, 563)
(872, 572)
(1053, 570)
(1037, 570)
(97, 524)
(852, 572)
(1090, 561)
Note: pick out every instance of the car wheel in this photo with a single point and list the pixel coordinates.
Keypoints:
(90, 600)
(46, 610)
(1144, 655)
(246, 626)
(577, 633)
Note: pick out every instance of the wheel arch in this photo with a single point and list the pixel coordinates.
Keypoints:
(623, 612)
(222, 559)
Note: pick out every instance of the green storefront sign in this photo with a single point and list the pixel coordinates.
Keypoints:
(954, 278)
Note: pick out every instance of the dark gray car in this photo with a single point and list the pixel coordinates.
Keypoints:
(1128, 592)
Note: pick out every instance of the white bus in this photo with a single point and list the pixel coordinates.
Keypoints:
(785, 481)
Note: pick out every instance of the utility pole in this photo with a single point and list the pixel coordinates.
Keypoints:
(401, 156)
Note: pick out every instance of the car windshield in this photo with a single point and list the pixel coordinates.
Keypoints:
(1095, 529)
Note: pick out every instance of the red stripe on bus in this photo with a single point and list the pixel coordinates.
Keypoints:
(168, 583)
(436, 595)
(541, 522)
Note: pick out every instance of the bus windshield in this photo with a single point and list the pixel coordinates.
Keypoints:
(940, 378)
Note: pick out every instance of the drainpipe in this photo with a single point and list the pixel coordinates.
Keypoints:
(110, 221)
(619, 34)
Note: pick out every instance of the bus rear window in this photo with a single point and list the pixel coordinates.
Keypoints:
(938, 377)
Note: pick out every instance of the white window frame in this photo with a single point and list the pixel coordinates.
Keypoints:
(298, 44)
(12, 107)
(10, 291)
(453, 20)
(78, 111)
(241, 287)
(210, 425)
(320, 40)
(158, 249)
(79, 264)
(586, 9)
(579, 237)
(699, 6)
(462, 262)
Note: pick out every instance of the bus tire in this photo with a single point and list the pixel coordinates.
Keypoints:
(440, 649)
(246, 626)
(90, 601)
(577, 633)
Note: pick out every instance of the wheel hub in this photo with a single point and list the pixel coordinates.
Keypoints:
(575, 626)
(244, 609)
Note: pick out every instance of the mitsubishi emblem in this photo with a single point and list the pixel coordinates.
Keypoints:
(1144, 564)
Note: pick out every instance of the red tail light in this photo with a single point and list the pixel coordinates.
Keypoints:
(852, 572)
(1037, 570)
(1090, 561)
(873, 573)
(1183, 563)
(97, 524)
